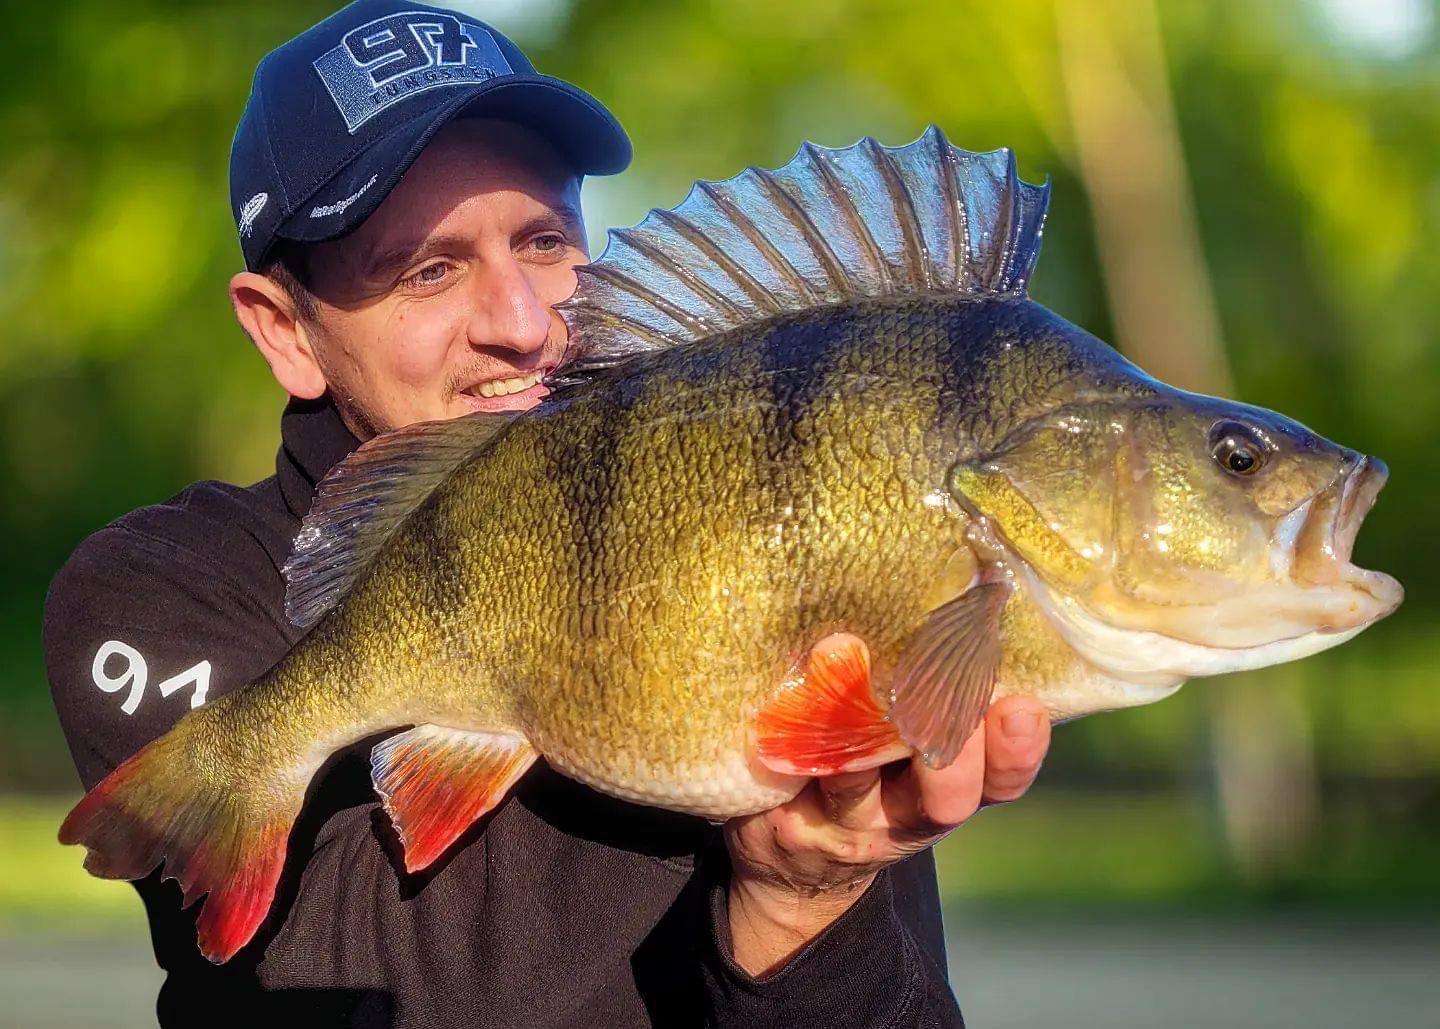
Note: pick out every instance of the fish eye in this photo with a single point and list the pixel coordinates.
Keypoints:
(1236, 448)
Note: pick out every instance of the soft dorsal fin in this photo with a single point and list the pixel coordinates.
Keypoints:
(829, 227)
(365, 497)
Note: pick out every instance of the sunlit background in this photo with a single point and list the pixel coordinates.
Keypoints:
(1246, 200)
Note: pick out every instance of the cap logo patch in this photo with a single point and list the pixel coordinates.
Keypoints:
(250, 212)
(386, 60)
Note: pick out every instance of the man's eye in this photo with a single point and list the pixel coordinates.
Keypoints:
(428, 275)
(548, 243)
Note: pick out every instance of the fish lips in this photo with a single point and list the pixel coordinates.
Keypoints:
(1326, 539)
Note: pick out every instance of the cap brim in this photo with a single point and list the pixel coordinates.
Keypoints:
(583, 132)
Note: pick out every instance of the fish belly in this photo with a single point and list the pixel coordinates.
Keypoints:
(722, 782)
(719, 790)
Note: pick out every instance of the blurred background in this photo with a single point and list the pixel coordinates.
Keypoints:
(1246, 201)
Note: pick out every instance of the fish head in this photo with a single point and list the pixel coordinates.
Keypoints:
(1168, 535)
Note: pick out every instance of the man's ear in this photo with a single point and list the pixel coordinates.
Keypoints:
(267, 314)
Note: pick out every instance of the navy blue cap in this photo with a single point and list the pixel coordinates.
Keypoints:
(337, 115)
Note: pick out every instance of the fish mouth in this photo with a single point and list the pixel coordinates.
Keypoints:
(1325, 540)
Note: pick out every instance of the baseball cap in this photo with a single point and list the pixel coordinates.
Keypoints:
(337, 115)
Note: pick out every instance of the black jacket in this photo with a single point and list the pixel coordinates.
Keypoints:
(565, 908)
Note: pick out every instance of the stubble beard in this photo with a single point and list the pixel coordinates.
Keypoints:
(363, 421)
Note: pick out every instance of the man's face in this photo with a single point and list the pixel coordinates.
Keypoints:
(441, 303)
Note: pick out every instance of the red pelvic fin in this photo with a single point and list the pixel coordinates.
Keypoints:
(827, 720)
(436, 782)
(225, 840)
(945, 677)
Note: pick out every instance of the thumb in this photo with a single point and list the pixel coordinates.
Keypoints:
(846, 795)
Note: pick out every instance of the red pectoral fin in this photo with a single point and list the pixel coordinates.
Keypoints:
(436, 781)
(827, 720)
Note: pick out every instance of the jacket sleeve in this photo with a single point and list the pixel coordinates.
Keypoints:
(881, 964)
(139, 629)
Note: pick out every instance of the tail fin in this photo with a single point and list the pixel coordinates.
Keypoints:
(217, 835)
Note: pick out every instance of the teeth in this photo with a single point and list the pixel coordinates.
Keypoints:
(504, 387)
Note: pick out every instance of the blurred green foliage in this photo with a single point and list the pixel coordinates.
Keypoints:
(1311, 137)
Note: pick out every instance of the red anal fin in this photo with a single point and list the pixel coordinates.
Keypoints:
(223, 840)
(828, 721)
(436, 782)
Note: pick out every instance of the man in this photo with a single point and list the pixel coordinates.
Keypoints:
(406, 190)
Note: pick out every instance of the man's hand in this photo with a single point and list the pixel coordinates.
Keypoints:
(800, 866)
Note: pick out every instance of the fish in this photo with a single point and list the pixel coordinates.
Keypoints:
(816, 482)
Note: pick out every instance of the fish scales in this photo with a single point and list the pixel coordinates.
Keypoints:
(816, 483)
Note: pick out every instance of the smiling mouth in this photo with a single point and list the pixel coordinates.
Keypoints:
(505, 387)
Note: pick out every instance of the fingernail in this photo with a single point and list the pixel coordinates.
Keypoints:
(1021, 725)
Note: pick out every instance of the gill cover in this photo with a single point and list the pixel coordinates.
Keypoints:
(1124, 495)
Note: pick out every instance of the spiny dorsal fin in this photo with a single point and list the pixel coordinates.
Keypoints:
(829, 227)
(365, 498)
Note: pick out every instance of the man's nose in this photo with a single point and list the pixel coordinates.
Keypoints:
(507, 313)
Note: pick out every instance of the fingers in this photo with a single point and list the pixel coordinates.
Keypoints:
(839, 829)
(950, 795)
(931, 801)
(997, 764)
(1017, 735)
